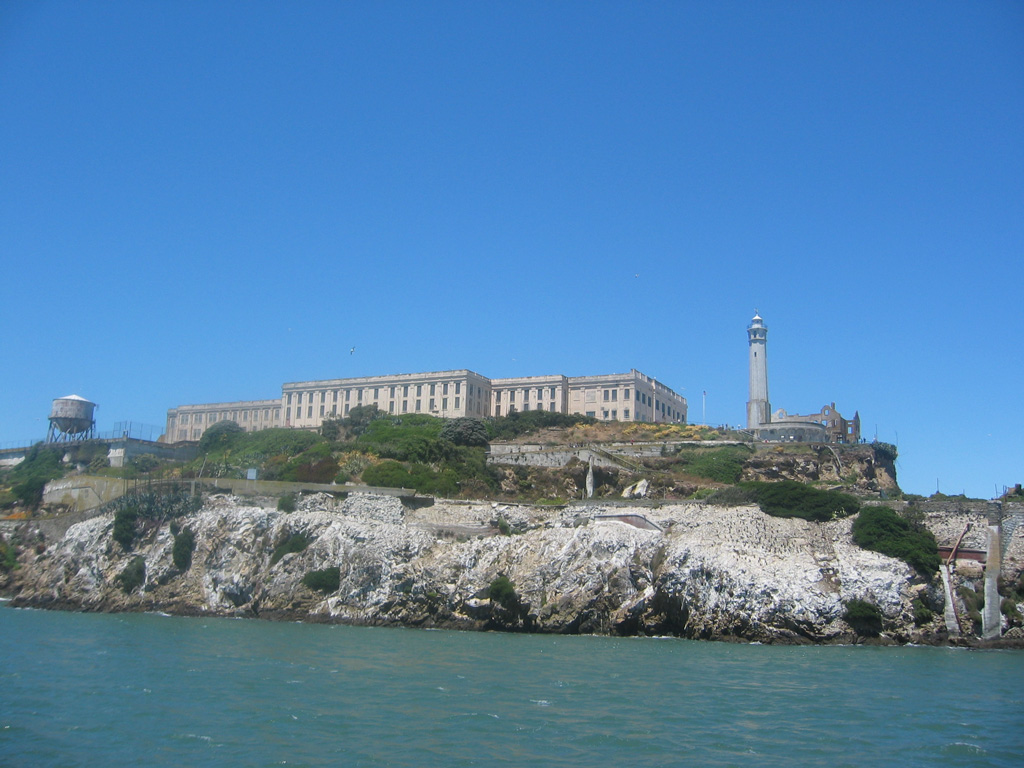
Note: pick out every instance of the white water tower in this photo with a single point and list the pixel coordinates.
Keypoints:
(71, 418)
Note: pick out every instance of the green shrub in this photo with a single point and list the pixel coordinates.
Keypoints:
(503, 592)
(8, 556)
(297, 542)
(139, 506)
(326, 580)
(886, 451)
(464, 431)
(184, 546)
(1009, 609)
(788, 498)
(504, 527)
(864, 617)
(133, 576)
(222, 435)
(882, 530)
(124, 526)
(922, 613)
(286, 503)
(524, 422)
(41, 464)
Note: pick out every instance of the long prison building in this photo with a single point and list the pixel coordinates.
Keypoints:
(631, 396)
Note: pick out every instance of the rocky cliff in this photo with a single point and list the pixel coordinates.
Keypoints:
(685, 569)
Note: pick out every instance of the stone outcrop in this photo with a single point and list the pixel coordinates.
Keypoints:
(860, 466)
(699, 571)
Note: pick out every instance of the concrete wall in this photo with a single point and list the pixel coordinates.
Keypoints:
(83, 492)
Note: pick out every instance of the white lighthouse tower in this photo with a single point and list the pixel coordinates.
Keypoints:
(759, 410)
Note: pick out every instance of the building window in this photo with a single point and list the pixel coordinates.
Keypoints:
(418, 405)
(289, 398)
(615, 415)
(497, 410)
(591, 414)
(444, 388)
(432, 401)
(552, 393)
(321, 410)
(458, 387)
(405, 391)
(444, 403)
(376, 392)
(432, 389)
(391, 406)
(625, 413)
(551, 407)
(393, 391)
(497, 396)
(309, 412)
(405, 405)
(615, 394)
(457, 399)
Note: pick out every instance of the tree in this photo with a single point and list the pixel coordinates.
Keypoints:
(465, 431)
(221, 435)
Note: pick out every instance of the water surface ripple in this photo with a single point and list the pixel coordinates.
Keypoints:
(101, 690)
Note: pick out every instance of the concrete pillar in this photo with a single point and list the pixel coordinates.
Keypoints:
(991, 618)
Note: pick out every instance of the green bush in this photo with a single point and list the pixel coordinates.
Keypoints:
(124, 526)
(922, 613)
(464, 431)
(503, 592)
(882, 530)
(134, 508)
(788, 498)
(41, 464)
(297, 542)
(144, 463)
(184, 546)
(133, 576)
(287, 503)
(222, 435)
(326, 580)
(8, 556)
(864, 617)
(1009, 609)
(524, 422)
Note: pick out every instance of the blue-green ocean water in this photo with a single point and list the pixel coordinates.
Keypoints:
(109, 690)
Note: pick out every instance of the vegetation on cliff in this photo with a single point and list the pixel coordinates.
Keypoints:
(880, 529)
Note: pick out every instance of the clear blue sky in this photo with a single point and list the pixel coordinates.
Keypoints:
(201, 201)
